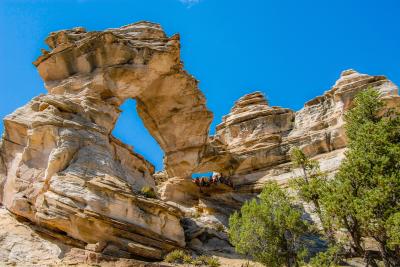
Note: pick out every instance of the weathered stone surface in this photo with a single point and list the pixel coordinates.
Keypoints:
(179, 189)
(99, 70)
(19, 244)
(251, 129)
(62, 169)
(251, 147)
(26, 245)
(252, 143)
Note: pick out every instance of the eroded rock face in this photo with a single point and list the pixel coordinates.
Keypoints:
(251, 129)
(252, 146)
(254, 139)
(100, 70)
(62, 169)
(27, 245)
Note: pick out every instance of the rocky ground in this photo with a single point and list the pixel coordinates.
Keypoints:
(23, 244)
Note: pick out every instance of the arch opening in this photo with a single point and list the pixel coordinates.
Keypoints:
(201, 174)
(130, 129)
(211, 182)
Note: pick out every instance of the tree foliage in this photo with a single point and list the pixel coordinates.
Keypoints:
(311, 184)
(269, 229)
(364, 195)
(183, 257)
(330, 258)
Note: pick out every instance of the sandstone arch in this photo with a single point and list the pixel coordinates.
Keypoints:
(135, 61)
(60, 166)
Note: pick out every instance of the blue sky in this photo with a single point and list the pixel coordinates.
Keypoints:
(291, 50)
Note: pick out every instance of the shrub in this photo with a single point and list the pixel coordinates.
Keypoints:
(270, 229)
(187, 259)
(182, 257)
(148, 191)
(329, 258)
(197, 262)
(176, 256)
(393, 230)
(208, 261)
(220, 228)
(212, 262)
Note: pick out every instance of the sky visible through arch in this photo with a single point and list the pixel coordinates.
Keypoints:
(290, 50)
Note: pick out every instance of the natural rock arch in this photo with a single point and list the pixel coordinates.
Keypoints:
(60, 166)
(135, 61)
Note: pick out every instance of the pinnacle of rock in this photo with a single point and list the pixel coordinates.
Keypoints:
(348, 72)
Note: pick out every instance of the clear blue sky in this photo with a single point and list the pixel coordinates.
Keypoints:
(291, 50)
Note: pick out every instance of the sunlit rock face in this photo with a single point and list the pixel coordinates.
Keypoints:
(252, 146)
(27, 245)
(62, 169)
(253, 142)
(100, 70)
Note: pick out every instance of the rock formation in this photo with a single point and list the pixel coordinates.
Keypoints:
(252, 143)
(61, 167)
(63, 172)
(25, 244)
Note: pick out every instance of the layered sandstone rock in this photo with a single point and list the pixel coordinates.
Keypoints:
(252, 146)
(257, 138)
(100, 70)
(62, 169)
(27, 245)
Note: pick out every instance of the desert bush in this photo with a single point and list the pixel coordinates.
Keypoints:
(148, 191)
(187, 259)
(182, 257)
(176, 256)
(270, 229)
(208, 261)
(220, 228)
(332, 257)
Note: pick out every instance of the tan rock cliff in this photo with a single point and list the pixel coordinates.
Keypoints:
(253, 141)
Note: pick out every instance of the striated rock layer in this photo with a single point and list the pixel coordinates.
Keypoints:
(252, 146)
(24, 244)
(63, 170)
(253, 141)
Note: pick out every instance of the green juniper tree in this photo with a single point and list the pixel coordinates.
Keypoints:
(269, 229)
(393, 231)
(311, 185)
(364, 196)
(329, 258)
